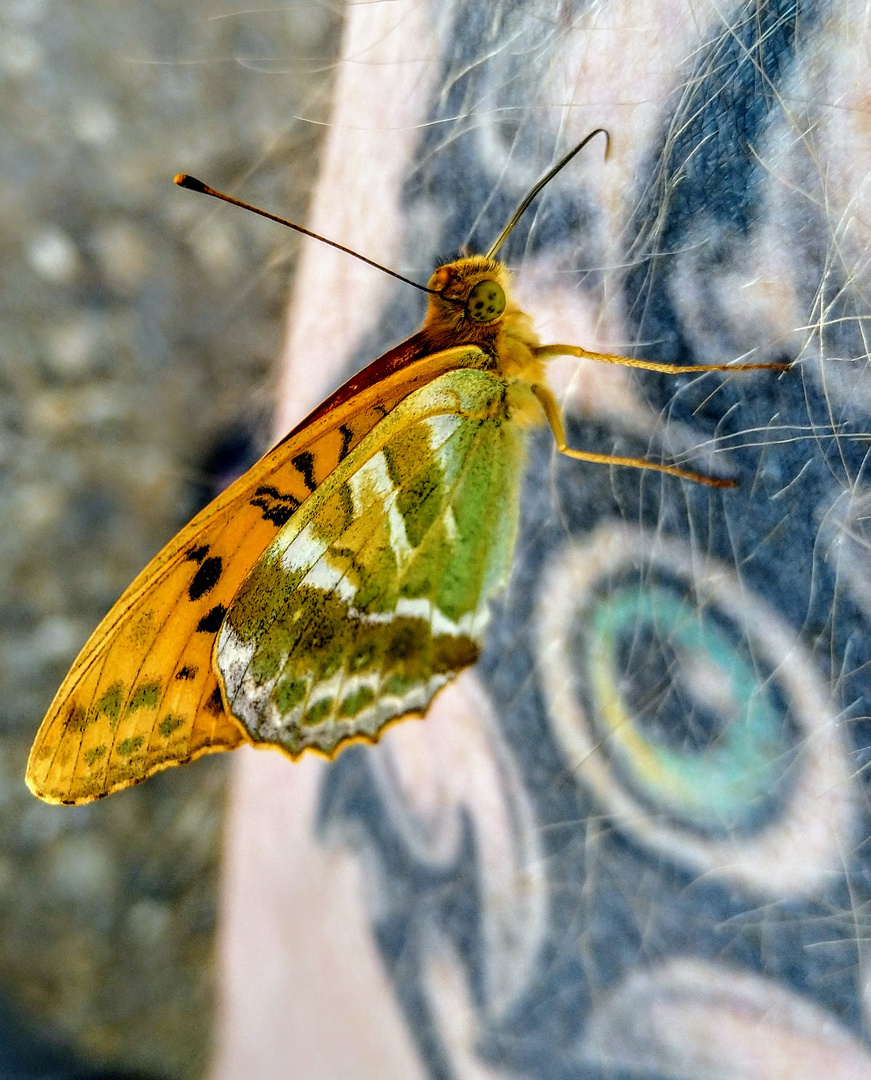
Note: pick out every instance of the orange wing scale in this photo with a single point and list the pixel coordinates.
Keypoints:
(143, 694)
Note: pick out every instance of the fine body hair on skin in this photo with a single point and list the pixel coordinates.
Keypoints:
(631, 838)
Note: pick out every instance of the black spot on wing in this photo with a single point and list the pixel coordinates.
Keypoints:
(274, 505)
(186, 673)
(197, 554)
(214, 703)
(304, 463)
(76, 719)
(347, 436)
(206, 577)
(210, 623)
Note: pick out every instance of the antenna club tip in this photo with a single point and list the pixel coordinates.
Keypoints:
(191, 182)
(607, 134)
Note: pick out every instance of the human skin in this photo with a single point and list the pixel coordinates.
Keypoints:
(595, 857)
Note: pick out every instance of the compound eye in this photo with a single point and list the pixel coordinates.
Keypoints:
(486, 302)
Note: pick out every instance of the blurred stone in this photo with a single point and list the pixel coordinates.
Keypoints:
(139, 325)
(53, 255)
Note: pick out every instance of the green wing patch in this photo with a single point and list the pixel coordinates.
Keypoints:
(375, 593)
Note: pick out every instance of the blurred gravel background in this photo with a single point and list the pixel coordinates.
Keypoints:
(139, 323)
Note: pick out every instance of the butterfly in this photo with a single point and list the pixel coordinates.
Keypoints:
(346, 577)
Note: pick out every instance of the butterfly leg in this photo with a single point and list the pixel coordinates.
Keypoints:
(545, 352)
(554, 417)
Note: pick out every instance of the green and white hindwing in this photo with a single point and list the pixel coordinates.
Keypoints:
(375, 593)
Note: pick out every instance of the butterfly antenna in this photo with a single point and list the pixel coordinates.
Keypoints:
(191, 182)
(521, 210)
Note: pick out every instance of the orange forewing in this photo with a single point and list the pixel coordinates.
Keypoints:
(143, 693)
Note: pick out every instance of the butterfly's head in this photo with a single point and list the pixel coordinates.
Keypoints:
(468, 301)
